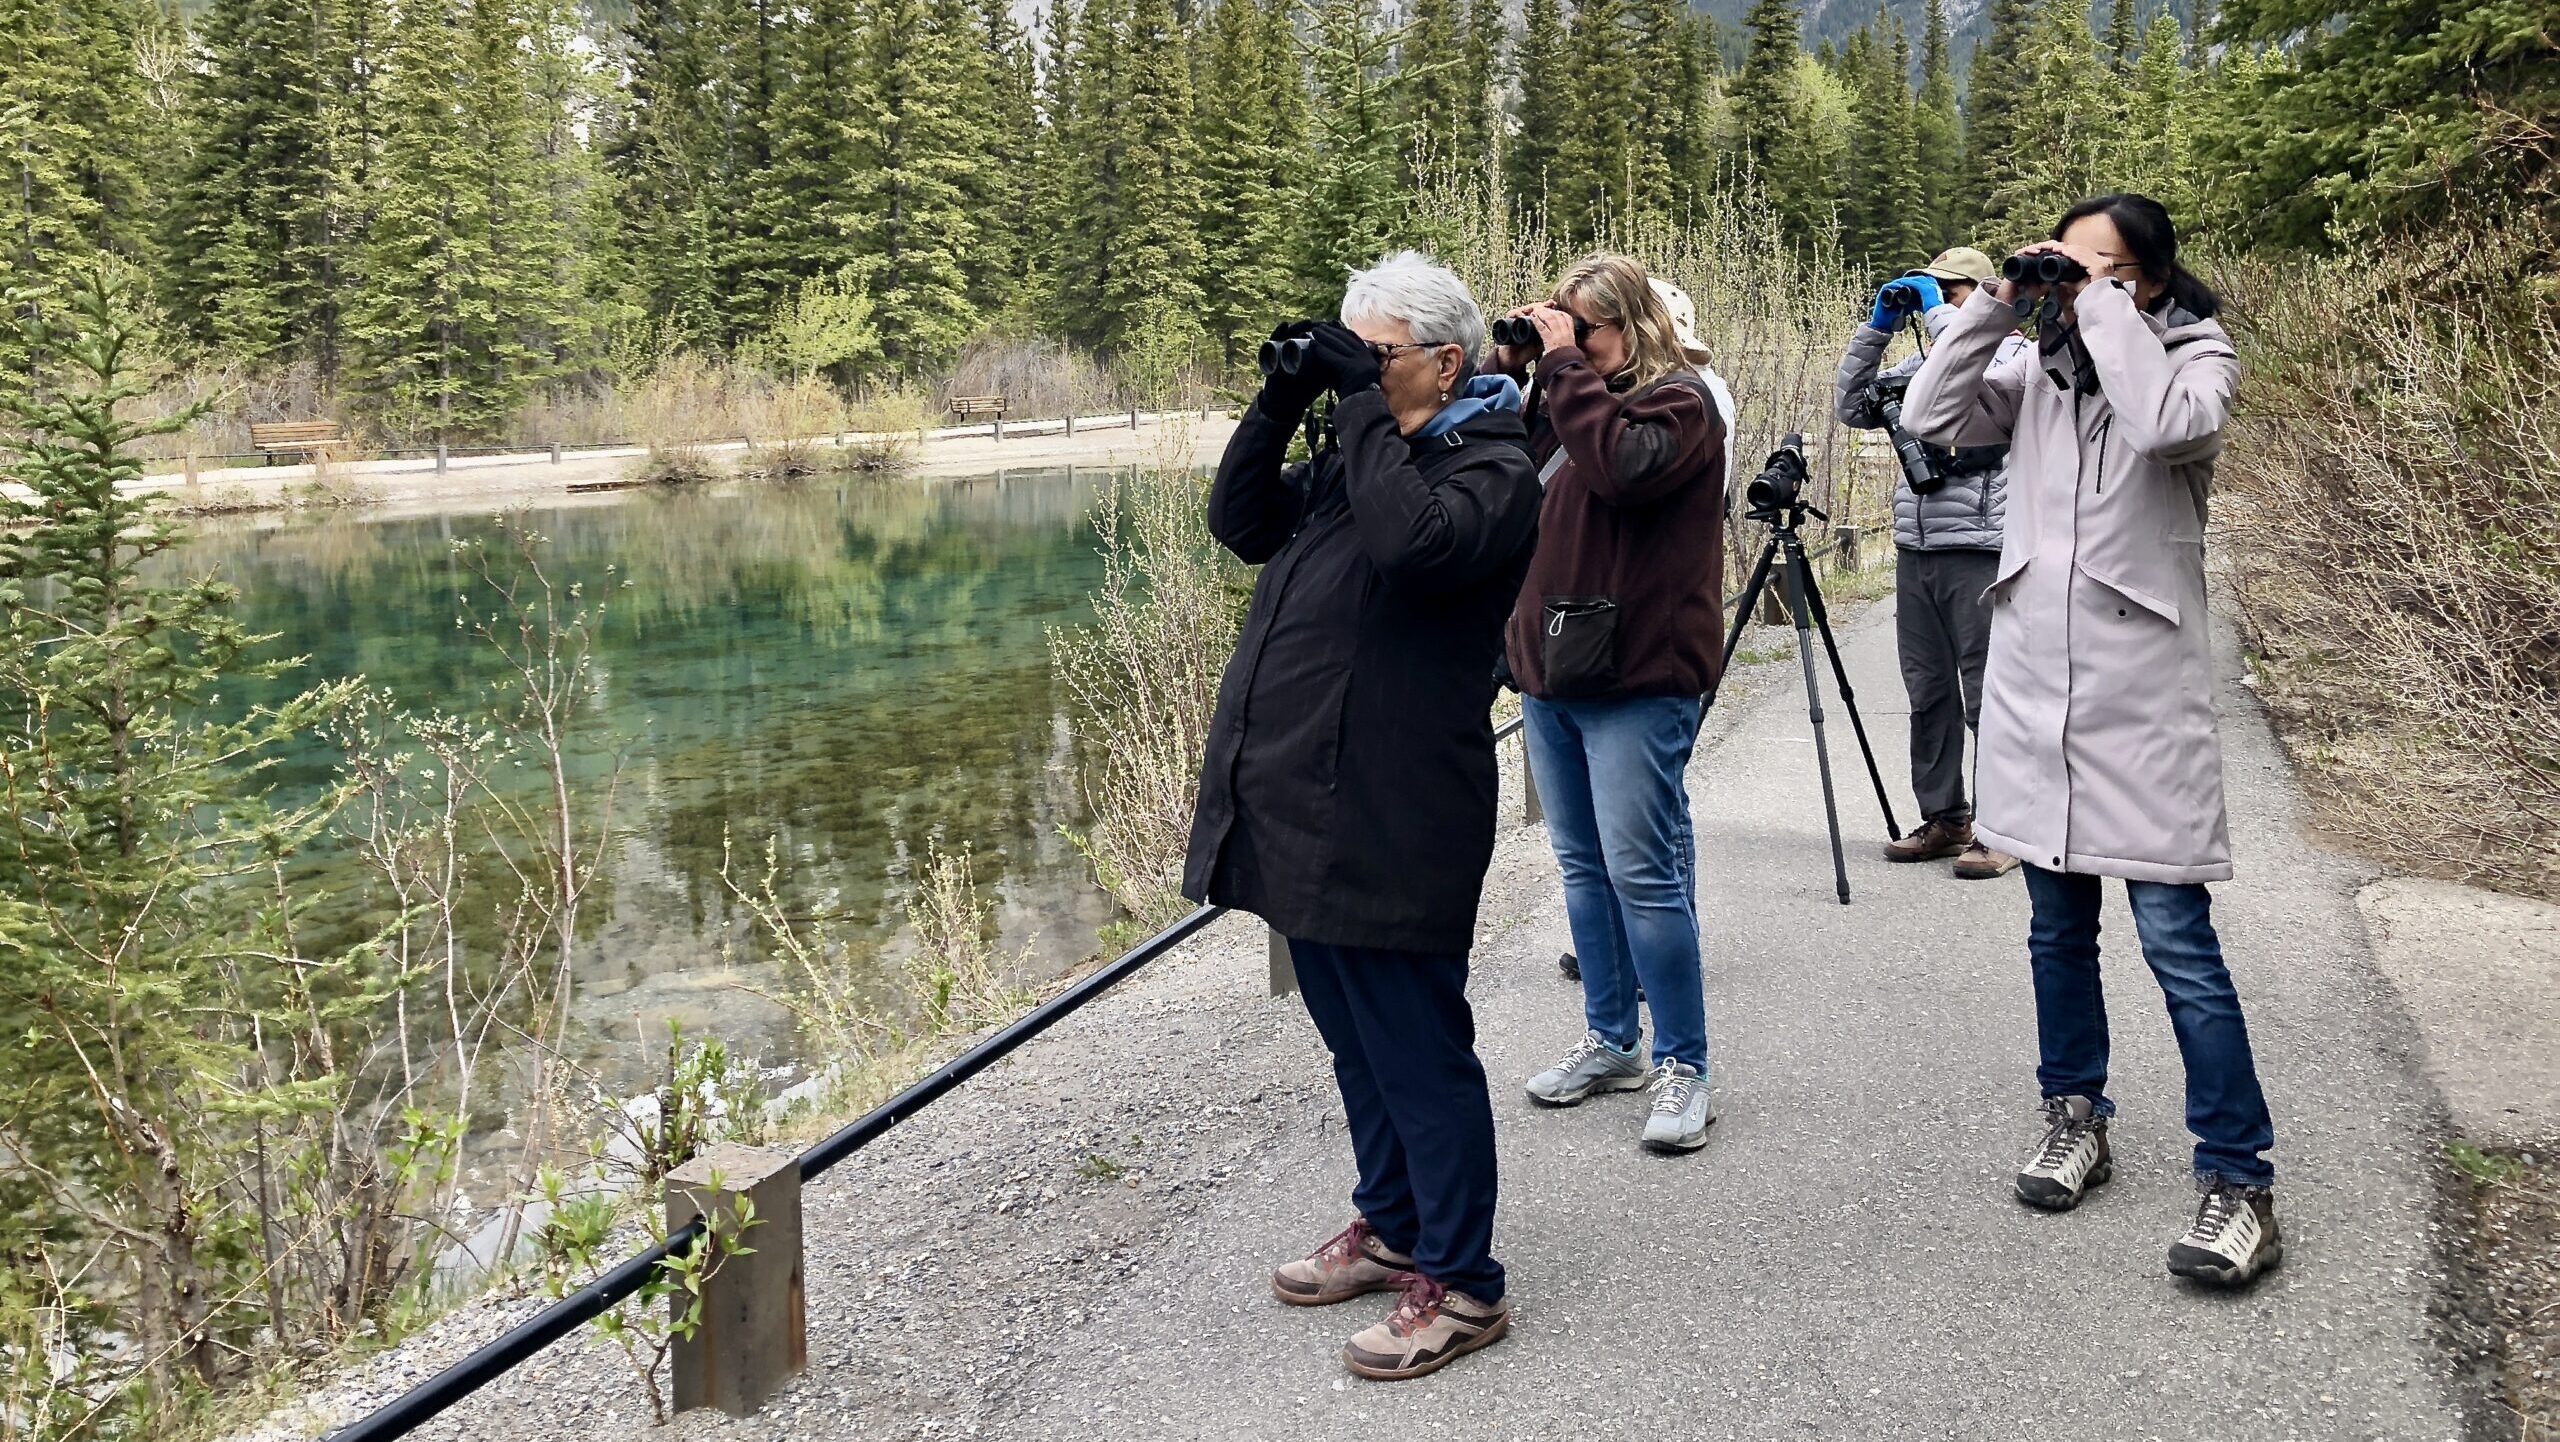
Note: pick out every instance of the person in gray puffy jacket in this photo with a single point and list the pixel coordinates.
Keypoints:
(1946, 541)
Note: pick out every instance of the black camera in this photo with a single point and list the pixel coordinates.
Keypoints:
(1283, 357)
(2044, 267)
(1519, 330)
(1918, 470)
(1779, 488)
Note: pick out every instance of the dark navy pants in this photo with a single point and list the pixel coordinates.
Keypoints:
(2225, 1108)
(1404, 1053)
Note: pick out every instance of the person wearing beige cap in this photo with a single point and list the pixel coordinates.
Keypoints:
(1947, 522)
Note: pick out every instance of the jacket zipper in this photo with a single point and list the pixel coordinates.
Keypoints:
(2106, 428)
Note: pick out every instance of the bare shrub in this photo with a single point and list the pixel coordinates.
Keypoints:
(1142, 679)
(954, 974)
(2388, 495)
(884, 428)
(785, 424)
(1038, 378)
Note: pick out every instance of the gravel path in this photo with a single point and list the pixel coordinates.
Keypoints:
(1076, 1246)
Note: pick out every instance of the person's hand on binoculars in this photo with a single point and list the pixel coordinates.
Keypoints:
(2097, 266)
(1285, 397)
(1338, 357)
(1555, 326)
(1901, 296)
(1513, 359)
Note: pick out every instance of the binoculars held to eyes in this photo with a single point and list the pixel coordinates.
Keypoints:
(2044, 267)
(1519, 330)
(1283, 357)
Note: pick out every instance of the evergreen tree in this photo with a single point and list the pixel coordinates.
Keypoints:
(665, 158)
(1595, 158)
(1051, 202)
(1937, 133)
(2161, 160)
(1348, 203)
(808, 188)
(1151, 292)
(1437, 93)
(1545, 111)
(1669, 142)
(1007, 107)
(1251, 128)
(1992, 133)
(461, 297)
(1885, 224)
(2069, 104)
(2122, 26)
(2381, 115)
(1790, 123)
(247, 230)
(1477, 134)
(916, 157)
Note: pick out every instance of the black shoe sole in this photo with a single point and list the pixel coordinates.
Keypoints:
(1909, 856)
(2060, 1200)
(2216, 1273)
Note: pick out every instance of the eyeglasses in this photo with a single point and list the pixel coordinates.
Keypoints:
(1385, 351)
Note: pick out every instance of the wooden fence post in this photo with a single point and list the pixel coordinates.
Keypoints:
(754, 1334)
(440, 458)
(1848, 538)
(1133, 420)
(1071, 420)
(555, 453)
(1773, 598)
(1284, 969)
(1532, 811)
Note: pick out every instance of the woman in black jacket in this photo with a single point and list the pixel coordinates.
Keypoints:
(1348, 792)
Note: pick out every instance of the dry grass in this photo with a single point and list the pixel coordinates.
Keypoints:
(1142, 679)
(885, 425)
(2388, 502)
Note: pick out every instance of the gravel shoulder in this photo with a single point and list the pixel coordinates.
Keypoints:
(1076, 1245)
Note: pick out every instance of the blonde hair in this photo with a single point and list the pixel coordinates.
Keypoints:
(1618, 289)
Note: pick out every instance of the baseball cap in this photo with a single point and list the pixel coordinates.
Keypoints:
(1961, 263)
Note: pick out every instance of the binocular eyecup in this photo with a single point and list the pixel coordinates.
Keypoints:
(1515, 330)
(2043, 267)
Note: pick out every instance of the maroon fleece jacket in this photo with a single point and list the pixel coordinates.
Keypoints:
(1636, 516)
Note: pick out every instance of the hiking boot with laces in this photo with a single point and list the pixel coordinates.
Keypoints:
(2233, 1238)
(1682, 1110)
(2072, 1158)
(1981, 863)
(1934, 841)
(1354, 1264)
(1591, 1066)
(1430, 1328)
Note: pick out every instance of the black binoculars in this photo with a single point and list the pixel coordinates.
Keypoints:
(1283, 357)
(2044, 267)
(1519, 330)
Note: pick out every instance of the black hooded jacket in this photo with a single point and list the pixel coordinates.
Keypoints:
(1349, 788)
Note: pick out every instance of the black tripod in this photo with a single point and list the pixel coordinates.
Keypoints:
(1783, 509)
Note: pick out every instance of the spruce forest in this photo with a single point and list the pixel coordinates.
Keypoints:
(432, 214)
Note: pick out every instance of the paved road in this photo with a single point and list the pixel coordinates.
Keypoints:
(1077, 1248)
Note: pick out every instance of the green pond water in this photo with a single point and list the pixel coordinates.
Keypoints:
(854, 668)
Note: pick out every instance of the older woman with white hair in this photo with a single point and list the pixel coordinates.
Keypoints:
(1348, 792)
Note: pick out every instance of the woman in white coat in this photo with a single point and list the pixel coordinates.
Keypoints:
(2098, 749)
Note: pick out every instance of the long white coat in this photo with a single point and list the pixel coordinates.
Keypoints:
(2099, 751)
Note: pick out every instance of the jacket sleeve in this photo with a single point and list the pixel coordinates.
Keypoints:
(1965, 395)
(1454, 534)
(2169, 409)
(1854, 400)
(1629, 449)
(1255, 502)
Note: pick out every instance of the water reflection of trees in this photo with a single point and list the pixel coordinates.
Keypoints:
(854, 668)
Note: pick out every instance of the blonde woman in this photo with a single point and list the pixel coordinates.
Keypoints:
(1614, 642)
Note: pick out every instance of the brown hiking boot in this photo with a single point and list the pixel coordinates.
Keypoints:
(1354, 1264)
(1430, 1328)
(1935, 841)
(1981, 863)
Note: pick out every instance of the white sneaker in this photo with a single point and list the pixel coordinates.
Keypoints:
(1591, 1066)
(2072, 1158)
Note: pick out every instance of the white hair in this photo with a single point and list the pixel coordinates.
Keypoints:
(1408, 286)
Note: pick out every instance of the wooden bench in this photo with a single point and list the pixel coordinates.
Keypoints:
(967, 408)
(277, 438)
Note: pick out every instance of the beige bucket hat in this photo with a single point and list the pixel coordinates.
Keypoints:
(1684, 319)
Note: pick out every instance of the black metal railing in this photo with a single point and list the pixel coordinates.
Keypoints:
(425, 1401)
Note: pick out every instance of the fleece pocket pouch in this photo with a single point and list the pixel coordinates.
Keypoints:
(1578, 646)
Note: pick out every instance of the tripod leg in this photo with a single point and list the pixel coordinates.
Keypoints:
(1849, 702)
(1800, 577)
(1750, 598)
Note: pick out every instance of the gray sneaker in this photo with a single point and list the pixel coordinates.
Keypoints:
(1592, 1066)
(1682, 1110)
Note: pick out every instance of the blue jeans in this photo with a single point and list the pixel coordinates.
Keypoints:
(1612, 776)
(2225, 1109)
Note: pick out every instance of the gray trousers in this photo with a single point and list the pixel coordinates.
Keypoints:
(1943, 628)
